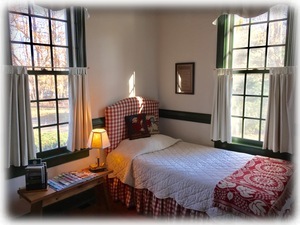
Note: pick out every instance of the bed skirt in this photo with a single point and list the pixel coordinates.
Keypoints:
(146, 203)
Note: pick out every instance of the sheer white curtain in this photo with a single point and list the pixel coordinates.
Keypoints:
(245, 11)
(20, 133)
(221, 114)
(280, 122)
(80, 124)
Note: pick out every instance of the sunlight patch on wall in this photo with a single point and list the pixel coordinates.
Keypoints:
(141, 103)
(132, 85)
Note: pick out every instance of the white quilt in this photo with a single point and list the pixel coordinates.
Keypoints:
(183, 171)
(120, 159)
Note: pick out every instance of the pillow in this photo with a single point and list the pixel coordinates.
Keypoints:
(137, 126)
(152, 124)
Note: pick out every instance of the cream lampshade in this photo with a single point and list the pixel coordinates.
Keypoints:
(98, 140)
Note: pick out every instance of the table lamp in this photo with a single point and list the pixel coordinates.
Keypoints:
(98, 140)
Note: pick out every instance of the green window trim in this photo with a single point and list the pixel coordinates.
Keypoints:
(60, 157)
(224, 44)
(51, 161)
(253, 150)
(60, 154)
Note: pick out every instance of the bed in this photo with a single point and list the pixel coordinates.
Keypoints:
(167, 177)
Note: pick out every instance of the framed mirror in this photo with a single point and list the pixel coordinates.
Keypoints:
(184, 78)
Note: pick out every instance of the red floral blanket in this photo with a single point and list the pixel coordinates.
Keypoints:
(259, 189)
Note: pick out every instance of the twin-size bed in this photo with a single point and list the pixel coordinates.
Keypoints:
(163, 176)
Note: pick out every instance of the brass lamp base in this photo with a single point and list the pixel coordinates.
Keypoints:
(97, 169)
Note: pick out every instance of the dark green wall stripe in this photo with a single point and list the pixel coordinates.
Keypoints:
(166, 113)
(98, 122)
(186, 116)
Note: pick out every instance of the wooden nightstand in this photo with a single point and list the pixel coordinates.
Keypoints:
(40, 199)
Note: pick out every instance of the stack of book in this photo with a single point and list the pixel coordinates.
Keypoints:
(36, 175)
(65, 180)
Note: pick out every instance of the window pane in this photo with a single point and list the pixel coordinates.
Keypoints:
(240, 20)
(48, 112)
(61, 14)
(30, 28)
(39, 11)
(59, 32)
(252, 107)
(40, 30)
(21, 55)
(239, 58)
(240, 35)
(278, 12)
(62, 86)
(257, 57)
(238, 84)
(34, 114)
(254, 83)
(266, 85)
(60, 57)
(36, 139)
(42, 56)
(46, 86)
(63, 134)
(260, 18)
(258, 35)
(19, 27)
(237, 105)
(277, 33)
(32, 87)
(265, 108)
(262, 132)
(63, 109)
(275, 56)
(251, 129)
(49, 138)
(264, 48)
(236, 127)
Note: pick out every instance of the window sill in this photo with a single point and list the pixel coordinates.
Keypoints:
(251, 149)
(13, 172)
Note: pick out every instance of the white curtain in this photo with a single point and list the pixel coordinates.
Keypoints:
(80, 124)
(245, 11)
(21, 146)
(221, 114)
(280, 121)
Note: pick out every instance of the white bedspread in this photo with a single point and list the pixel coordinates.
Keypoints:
(183, 171)
(120, 159)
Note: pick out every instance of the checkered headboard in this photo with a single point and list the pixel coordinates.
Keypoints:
(115, 116)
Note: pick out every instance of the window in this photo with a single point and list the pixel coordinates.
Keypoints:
(39, 40)
(253, 46)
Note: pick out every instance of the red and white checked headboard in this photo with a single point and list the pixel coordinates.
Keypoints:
(115, 116)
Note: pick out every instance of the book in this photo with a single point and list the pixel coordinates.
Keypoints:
(67, 179)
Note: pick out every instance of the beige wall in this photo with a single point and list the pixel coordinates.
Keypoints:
(187, 36)
(119, 44)
(149, 43)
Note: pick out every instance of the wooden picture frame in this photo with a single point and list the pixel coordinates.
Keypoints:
(184, 78)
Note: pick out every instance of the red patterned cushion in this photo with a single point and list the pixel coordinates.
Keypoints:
(115, 116)
(137, 126)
